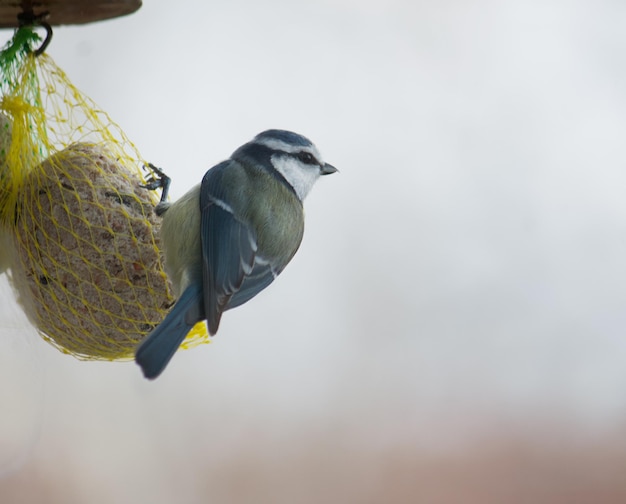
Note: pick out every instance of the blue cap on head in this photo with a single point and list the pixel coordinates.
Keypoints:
(288, 137)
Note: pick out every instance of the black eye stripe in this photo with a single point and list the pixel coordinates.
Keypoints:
(307, 158)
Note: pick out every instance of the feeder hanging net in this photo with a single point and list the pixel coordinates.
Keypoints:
(78, 233)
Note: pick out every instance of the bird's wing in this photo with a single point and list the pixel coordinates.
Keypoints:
(228, 249)
(260, 277)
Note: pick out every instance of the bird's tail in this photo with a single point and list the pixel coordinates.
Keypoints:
(154, 353)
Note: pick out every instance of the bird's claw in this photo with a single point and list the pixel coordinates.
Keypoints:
(152, 184)
(158, 180)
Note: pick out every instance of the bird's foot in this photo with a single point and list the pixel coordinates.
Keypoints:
(158, 180)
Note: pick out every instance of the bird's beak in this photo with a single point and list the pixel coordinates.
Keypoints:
(327, 169)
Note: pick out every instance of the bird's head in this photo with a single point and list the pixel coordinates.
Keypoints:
(293, 156)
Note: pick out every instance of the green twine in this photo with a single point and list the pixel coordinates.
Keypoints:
(16, 50)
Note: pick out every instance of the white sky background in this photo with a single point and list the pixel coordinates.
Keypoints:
(465, 270)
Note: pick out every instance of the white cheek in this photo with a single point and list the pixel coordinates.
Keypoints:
(302, 178)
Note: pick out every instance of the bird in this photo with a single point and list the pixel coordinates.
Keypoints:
(230, 236)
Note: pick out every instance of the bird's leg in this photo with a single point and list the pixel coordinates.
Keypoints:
(158, 180)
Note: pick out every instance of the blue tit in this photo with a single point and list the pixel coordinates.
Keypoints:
(229, 237)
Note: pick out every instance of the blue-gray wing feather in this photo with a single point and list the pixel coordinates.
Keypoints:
(232, 272)
(260, 277)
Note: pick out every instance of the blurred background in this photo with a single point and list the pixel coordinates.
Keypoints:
(452, 329)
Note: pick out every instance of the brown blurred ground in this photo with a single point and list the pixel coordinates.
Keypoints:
(500, 471)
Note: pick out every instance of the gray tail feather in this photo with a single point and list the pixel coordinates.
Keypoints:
(155, 352)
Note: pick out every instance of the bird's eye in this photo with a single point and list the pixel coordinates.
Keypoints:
(307, 158)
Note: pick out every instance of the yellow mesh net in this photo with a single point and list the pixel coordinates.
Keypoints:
(78, 233)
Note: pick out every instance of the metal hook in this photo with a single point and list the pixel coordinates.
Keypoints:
(47, 40)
